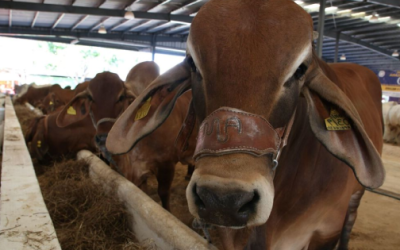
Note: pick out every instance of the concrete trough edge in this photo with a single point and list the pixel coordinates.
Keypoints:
(150, 220)
(25, 222)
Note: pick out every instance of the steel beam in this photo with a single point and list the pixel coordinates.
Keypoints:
(57, 21)
(353, 40)
(337, 46)
(34, 19)
(321, 24)
(78, 34)
(54, 8)
(10, 19)
(390, 3)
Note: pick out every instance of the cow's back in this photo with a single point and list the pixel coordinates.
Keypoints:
(70, 139)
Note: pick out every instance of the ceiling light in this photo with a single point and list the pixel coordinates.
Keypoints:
(129, 14)
(398, 24)
(102, 30)
(75, 41)
(385, 19)
(395, 53)
(343, 57)
(312, 7)
(358, 14)
(374, 18)
(344, 12)
(299, 2)
(331, 10)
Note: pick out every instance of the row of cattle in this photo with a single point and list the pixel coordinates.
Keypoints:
(81, 119)
(391, 118)
(255, 80)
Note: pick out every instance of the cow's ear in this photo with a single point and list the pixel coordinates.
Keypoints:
(74, 111)
(149, 110)
(337, 125)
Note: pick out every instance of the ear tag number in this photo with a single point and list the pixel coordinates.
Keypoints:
(39, 144)
(144, 110)
(337, 122)
(71, 111)
(50, 103)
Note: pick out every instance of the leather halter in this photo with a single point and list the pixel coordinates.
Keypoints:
(229, 130)
(100, 143)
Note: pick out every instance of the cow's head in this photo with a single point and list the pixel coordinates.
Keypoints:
(51, 103)
(104, 100)
(248, 63)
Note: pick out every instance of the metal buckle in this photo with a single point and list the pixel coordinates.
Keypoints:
(274, 164)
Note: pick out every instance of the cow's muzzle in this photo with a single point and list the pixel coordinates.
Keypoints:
(236, 155)
(230, 209)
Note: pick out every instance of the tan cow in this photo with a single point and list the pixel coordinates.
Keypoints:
(257, 86)
(391, 119)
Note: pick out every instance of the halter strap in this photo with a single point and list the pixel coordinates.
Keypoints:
(229, 130)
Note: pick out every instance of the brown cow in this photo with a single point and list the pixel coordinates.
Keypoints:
(255, 80)
(34, 95)
(48, 141)
(59, 97)
(155, 155)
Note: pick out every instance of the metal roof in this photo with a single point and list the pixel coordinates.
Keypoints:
(369, 31)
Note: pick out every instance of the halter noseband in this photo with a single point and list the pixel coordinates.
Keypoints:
(229, 130)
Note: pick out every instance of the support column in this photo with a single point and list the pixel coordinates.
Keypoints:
(337, 46)
(321, 24)
(153, 47)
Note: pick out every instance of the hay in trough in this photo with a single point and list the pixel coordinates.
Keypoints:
(25, 117)
(84, 215)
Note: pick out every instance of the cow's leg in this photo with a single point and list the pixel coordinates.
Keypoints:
(350, 219)
(165, 176)
(190, 171)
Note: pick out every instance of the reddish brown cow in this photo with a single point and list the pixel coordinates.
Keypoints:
(255, 81)
(106, 98)
(35, 95)
(157, 155)
(48, 141)
(59, 97)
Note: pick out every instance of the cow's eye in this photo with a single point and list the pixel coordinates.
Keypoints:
(301, 70)
(90, 98)
(191, 64)
(121, 98)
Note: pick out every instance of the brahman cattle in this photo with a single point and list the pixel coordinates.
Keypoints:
(258, 86)
(106, 98)
(50, 142)
(391, 119)
(35, 94)
(57, 98)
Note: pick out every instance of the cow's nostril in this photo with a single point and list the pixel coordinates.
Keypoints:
(250, 207)
(197, 200)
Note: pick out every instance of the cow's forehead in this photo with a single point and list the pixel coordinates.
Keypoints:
(256, 33)
(106, 84)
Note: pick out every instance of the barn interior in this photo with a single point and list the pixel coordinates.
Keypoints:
(364, 32)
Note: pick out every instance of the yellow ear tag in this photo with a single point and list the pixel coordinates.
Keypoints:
(336, 122)
(39, 144)
(144, 110)
(51, 103)
(71, 111)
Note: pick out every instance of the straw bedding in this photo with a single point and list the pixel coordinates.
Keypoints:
(84, 215)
